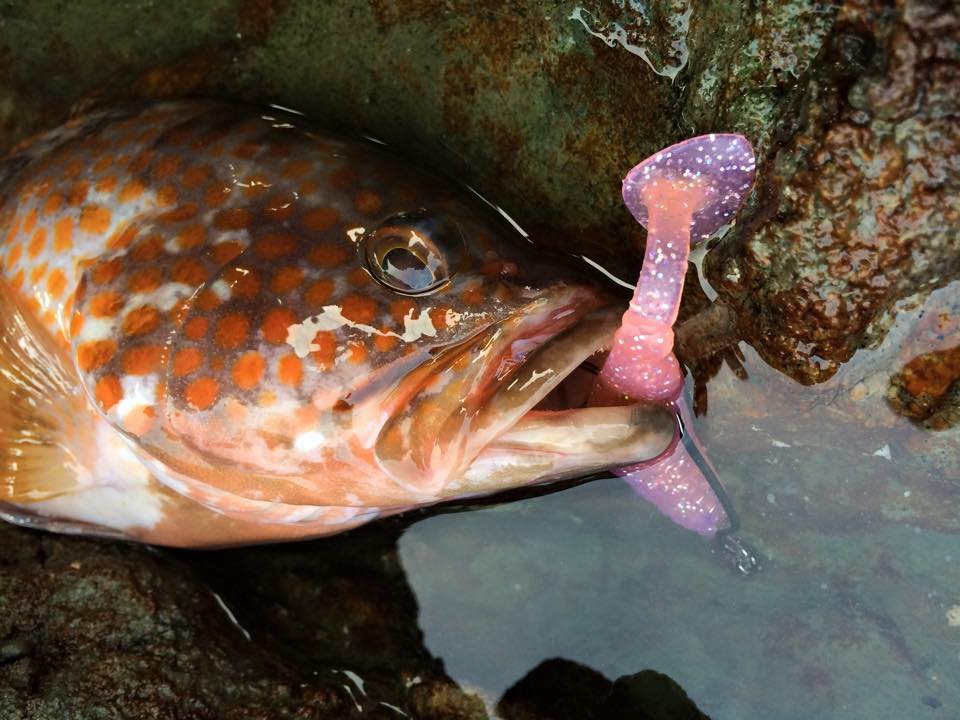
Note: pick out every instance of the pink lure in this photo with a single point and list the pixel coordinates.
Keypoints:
(682, 194)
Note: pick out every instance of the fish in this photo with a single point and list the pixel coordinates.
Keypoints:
(222, 324)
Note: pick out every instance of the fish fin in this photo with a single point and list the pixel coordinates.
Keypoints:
(41, 405)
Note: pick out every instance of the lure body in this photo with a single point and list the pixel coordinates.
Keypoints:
(682, 195)
(223, 326)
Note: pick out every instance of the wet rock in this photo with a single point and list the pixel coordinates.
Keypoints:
(93, 629)
(861, 206)
(560, 689)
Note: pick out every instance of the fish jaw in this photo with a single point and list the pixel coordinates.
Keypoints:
(507, 441)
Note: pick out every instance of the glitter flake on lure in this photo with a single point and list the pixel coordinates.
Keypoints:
(682, 195)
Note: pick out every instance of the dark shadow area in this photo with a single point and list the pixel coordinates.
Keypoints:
(559, 689)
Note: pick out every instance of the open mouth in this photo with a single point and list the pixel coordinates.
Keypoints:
(520, 415)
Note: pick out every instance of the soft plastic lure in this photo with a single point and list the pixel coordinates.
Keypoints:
(682, 195)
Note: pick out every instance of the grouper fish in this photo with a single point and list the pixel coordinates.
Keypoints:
(220, 325)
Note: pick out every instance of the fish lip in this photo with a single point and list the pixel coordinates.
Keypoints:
(567, 443)
(505, 349)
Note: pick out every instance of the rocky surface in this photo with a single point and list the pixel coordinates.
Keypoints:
(95, 629)
(861, 205)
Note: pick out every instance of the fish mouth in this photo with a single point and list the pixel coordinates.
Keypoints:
(508, 407)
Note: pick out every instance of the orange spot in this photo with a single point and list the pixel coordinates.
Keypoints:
(96, 354)
(290, 370)
(359, 309)
(196, 327)
(189, 272)
(57, 282)
(358, 277)
(148, 250)
(248, 370)
(438, 316)
(166, 166)
(78, 193)
(187, 361)
(232, 330)
(13, 229)
(17, 281)
(275, 324)
(73, 168)
(274, 245)
(286, 279)
(36, 244)
(255, 185)
(76, 324)
(326, 343)
(131, 191)
(344, 178)
(191, 237)
(202, 393)
(95, 219)
(356, 352)
(473, 295)
(53, 203)
(30, 222)
(106, 271)
(141, 161)
(145, 280)
(246, 150)
(107, 184)
(297, 168)
(233, 219)
(224, 252)
(142, 320)
(108, 391)
(38, 272)
(399, 309)
(319, 292)
(106, 304)
(123, 238)
(179, 214)
(142, 360)
(280, 207)
(384, 343)
(195, 176)
(216, 195)
(207, 300)
(63, 234)
(14, 255)
(243, 282)
(322, 218)
(167, 196)
(103, 164)
(328, 255)
(367, 202)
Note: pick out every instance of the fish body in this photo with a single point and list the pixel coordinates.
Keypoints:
(221, 325)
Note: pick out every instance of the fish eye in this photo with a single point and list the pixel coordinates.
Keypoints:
(413, 252)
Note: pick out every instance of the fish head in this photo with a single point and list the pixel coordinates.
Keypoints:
(346, 350)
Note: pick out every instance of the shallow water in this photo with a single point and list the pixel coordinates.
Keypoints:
(847, 619)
